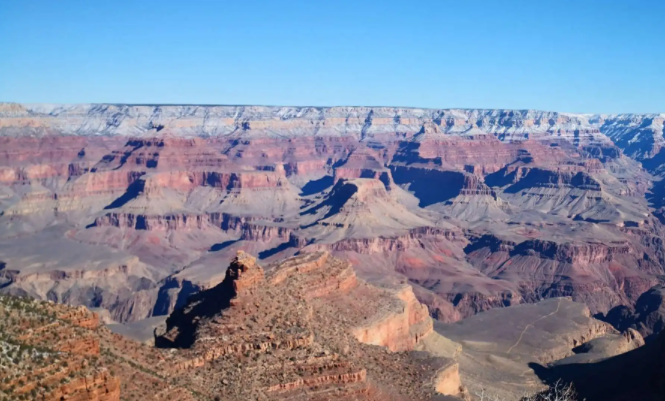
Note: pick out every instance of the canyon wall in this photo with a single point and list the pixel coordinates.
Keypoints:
(149, 196)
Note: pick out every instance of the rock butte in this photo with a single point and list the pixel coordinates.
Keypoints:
(310, 343)
(330, 333)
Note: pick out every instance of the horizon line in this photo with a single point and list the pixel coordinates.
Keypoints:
(324, 107)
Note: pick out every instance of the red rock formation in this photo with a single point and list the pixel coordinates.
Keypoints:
(398, 332)
(153, 223)
(66, 365)
(239, 321)
(166, 183)
(571, 269)
(244, 273)
(81, 317)
(162, 153)
(258, 232)
(98, 387)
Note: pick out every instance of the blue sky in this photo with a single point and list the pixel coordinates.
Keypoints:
(577, 56)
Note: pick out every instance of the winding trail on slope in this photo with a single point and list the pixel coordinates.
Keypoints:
(558, 305)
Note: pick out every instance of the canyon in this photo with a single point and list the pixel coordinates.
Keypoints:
(130, 209)
(360, 253)
(235, 342)
(330, 335)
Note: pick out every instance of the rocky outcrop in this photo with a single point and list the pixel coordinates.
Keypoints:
(233, 223)
(469, 303)
(412, 239)
(243, 273)
(102, 387)
(361, 163)
(52, 354)
(554, 269)
(264, 233)
(448, 381)
(474, 186)
(583, 254)
(534, 177)
(401, 331)
(153, 223)
(182, 324)
(310, 346)
(648, 317)
(362, 208)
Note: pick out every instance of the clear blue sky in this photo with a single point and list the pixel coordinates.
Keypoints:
(577, 56)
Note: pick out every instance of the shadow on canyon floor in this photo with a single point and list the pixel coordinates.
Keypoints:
(631, 376)
(316, 186)
(222, 245)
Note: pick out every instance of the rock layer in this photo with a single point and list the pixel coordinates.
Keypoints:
(399, 192)
(304, 345)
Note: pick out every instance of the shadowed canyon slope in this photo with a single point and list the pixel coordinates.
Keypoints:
(133, 208)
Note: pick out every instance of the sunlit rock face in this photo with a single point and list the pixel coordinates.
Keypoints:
(134, 208)
(330, 332)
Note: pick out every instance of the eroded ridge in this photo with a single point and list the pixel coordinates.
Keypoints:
(302, 329)
(49, 352)
(54, 352)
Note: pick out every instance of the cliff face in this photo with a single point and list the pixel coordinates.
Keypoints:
(602, 275)
(398, 192)
(306, 343)
(401, 331)
(153, 223)
(300, 121)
